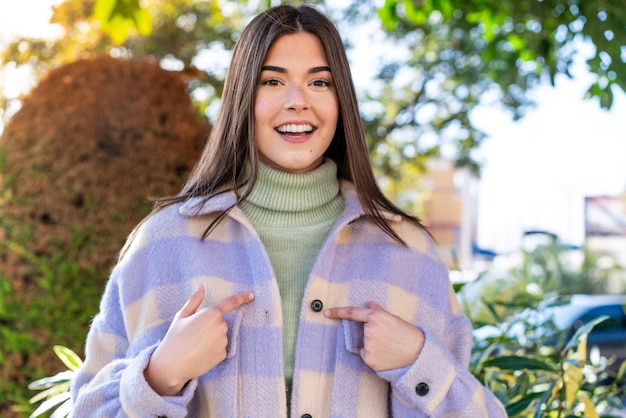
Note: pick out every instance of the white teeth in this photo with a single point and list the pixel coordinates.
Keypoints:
(295, 129)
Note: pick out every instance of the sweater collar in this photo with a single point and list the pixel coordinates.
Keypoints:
(283, 199)
(278, 190)
(198, 206)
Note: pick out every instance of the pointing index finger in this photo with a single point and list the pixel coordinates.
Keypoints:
(353, 313)
(232, 302)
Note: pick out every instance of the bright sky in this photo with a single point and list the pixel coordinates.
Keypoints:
(536, 172)
(539, 170)
(26, 17)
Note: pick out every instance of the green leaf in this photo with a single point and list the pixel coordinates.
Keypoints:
(68, 357)
(388, 16)
(118, 29)
(116, 17)
(606, 98)
(518, 363)
(63, 410)
(544, 399)
(50, 403)
(491, 308)
(48, 382)
(143, 21)
(518, 43)
(584, 330)
(415, 14)
(622, 371)
(515, 408)
(103, 10)
(51, 392)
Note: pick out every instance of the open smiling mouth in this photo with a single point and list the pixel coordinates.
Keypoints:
(295, 129)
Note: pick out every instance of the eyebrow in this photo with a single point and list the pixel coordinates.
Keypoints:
(312, 70)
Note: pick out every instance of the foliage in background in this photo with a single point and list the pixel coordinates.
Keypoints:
(528, 362)
(190, 36)
(116, 18)
(55, 390)
(58, 307)
(459, 54)
(536, 379)
(439, 60)
(535, 274)
(66, 202)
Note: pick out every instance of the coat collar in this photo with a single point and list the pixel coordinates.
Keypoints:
(199, 206)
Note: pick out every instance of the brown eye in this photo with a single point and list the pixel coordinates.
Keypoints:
(270, 82)
(320, 83)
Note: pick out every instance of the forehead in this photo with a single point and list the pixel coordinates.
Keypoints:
(296, 49)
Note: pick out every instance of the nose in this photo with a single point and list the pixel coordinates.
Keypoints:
(296, 99)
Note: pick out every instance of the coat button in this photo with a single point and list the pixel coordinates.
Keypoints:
(422, 389)
(317, 306)
(306, 416)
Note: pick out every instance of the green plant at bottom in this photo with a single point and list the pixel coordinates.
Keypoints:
(50, 289)
(56, 389)
(538, 380)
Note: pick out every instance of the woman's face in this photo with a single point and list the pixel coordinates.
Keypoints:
(296, 108)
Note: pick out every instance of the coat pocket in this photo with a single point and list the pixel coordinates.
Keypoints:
(233, 320)
(353, 335)
(217, 393)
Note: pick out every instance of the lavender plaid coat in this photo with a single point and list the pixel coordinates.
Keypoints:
(358, 263)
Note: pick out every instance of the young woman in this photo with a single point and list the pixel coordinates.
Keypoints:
(281, 280)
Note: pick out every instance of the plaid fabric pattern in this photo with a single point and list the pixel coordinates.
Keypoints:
(358, 263)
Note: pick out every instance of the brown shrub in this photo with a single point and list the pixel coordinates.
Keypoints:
(92, 142)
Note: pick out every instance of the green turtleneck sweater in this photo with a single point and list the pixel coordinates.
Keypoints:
(293, 214)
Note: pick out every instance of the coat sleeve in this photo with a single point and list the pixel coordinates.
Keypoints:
(111, 382)
(439, 383)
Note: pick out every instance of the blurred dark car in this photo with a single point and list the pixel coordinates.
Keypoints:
(565, 315)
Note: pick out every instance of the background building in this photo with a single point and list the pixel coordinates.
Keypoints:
(450, 212)
(605, 225)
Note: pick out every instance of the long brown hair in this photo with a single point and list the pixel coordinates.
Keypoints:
(232, 141)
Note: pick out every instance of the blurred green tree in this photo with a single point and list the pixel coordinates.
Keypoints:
(462, 53)
(181, 32)
(455, 55)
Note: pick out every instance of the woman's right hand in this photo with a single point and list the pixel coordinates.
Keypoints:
(194, 344)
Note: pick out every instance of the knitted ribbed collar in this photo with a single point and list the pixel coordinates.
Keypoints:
(285, 199)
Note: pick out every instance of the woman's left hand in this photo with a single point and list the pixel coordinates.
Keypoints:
(389, 342)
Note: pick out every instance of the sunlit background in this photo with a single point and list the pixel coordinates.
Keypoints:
(536, 172)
